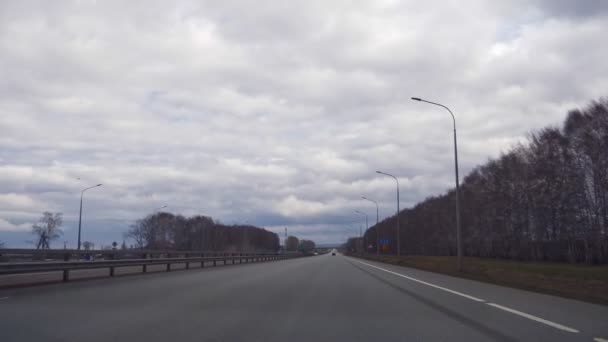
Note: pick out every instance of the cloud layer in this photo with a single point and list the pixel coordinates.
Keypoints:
(272, 113)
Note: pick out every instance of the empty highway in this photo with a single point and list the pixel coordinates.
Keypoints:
(321, 298)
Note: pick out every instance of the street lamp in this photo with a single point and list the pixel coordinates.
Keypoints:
(80, 216)
(158, 209)
(398, 226)
(377, 227)
(353, 230)
(458, 231)
(366, 227)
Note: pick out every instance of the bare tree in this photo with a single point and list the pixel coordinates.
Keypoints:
(168, 231)
(88, 245)
(137, 232)
(291, 244)
(544, 200)
(47, 229)
(306, 246)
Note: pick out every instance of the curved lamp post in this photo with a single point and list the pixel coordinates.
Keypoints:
(458, 230)
(159, 209)
(398, 226)
(80, 216)
(366, 228)
(377, 227)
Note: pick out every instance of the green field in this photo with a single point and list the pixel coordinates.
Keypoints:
(588, 283)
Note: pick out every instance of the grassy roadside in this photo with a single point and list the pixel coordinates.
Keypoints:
(587, 283)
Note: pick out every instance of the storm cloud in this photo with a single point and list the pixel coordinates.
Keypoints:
(272, 113)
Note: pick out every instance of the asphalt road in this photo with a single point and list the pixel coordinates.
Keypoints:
(322, 298)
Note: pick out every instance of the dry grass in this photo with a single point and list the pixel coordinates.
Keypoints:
(588, 283)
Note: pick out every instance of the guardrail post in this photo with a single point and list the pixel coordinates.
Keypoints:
(187, 263)
(144, 268)
(203, 261)
(66, 275)
(168, 266)
(240, 258)
(111, 271)
(214, 264)
(232, 257)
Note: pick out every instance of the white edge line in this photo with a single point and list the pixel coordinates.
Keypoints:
(534, 318)
(599, 339)
(424, 282)
(513, 311)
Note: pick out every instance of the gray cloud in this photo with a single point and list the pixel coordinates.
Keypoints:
(565, 8)
(276, 114)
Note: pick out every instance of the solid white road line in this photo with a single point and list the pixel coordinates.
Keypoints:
(599, 339)
(424, 282)
(513, 311)
(534, 318)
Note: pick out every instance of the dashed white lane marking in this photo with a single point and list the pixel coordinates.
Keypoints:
(534, 318)
(424, 282)
(513, 311)
(599, 339)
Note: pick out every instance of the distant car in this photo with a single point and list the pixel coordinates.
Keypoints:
(333, 253)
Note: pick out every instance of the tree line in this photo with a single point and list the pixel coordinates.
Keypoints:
(543, 200)
(199, 233)
(293, 244)
(355, 245)
(175, 232)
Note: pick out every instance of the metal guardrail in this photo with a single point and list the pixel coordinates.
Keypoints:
(67, 266)
(69, 254)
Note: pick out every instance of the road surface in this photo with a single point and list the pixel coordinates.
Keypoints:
(321, 298)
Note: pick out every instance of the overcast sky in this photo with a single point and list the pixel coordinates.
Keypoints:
(272, 113)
